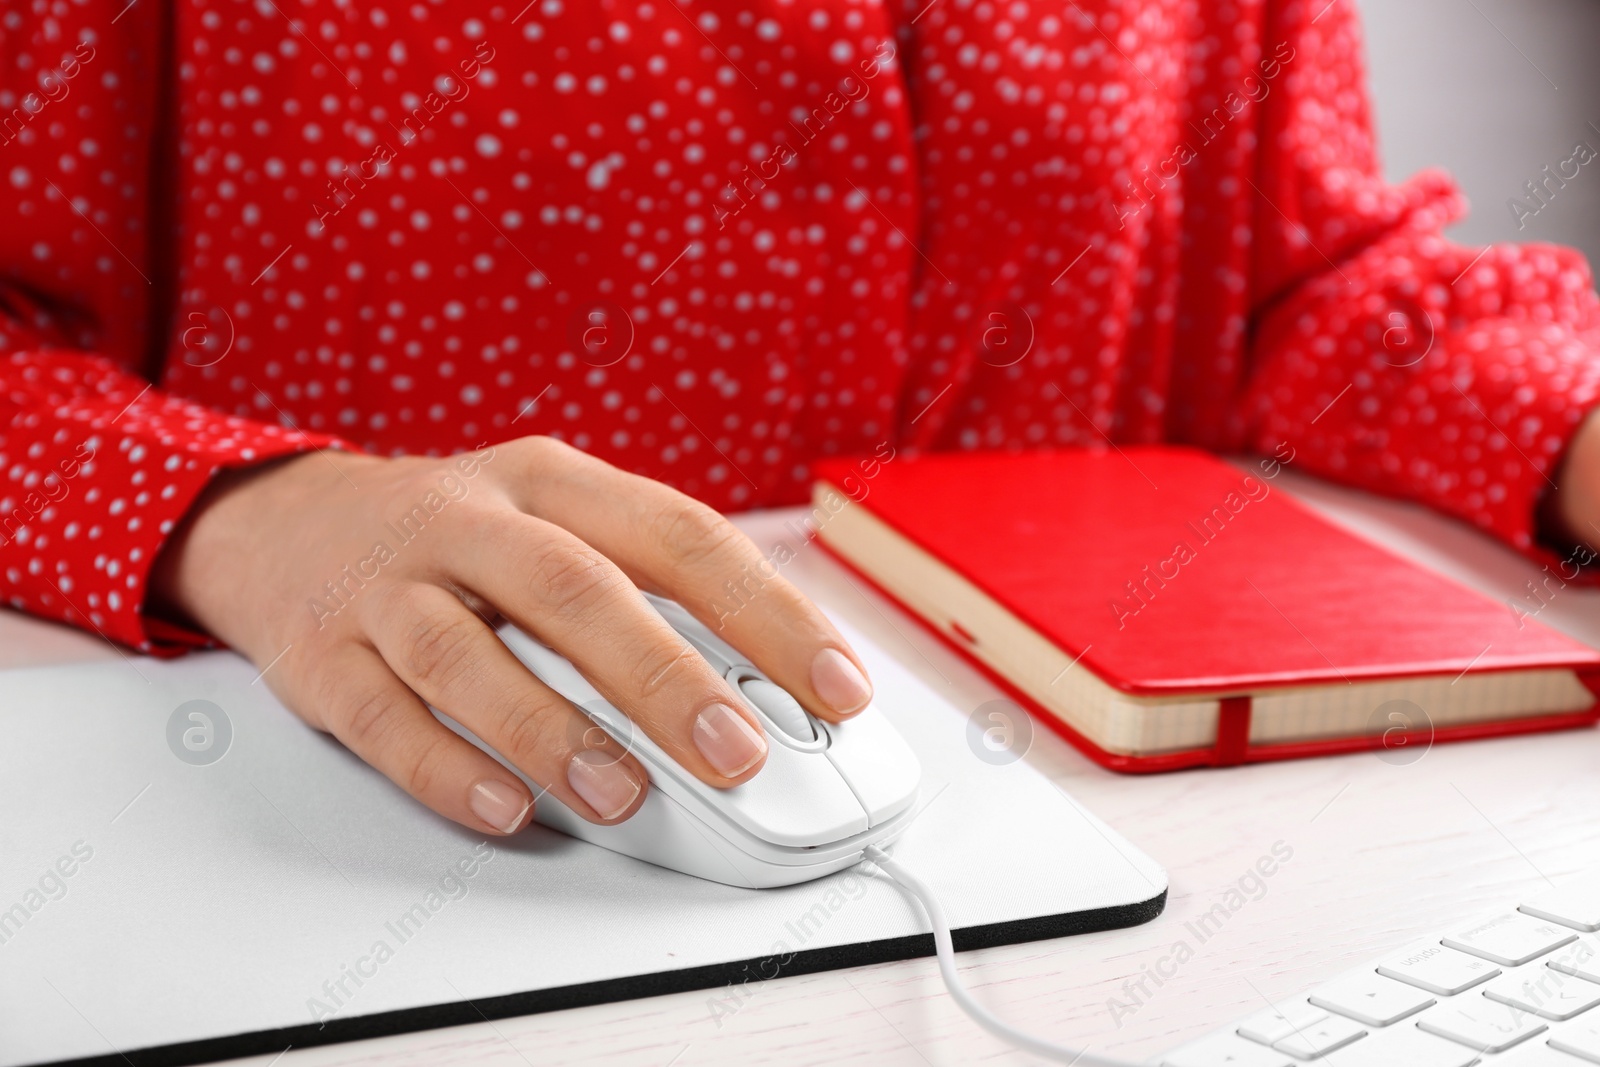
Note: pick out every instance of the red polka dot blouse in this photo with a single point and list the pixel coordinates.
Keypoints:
(711, 241)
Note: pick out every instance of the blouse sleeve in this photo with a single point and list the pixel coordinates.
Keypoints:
(1384, 355)
(96, 466)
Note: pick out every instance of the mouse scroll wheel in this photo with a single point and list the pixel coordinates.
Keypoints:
(776, 704)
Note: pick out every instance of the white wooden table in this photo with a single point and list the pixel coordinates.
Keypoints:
(1381, 852)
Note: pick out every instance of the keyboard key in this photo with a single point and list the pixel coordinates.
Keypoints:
(1317, 1040)
(1516, 989)
(1580, 1039)
(1225, 1050)
(1406, 1046)
(1581, 958)
(1371, 998)
(1575, 904)
(1480, 1023)
(1511, 940)
(1272, 1025)
(1429, 965)
(1546, 993)
(1538, 1054)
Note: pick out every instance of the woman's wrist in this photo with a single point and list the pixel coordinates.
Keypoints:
(216, 527)
(1571, 514)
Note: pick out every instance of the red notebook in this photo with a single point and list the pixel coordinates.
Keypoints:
(1162, 608)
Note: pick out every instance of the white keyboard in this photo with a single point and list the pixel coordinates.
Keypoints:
(1519, 988)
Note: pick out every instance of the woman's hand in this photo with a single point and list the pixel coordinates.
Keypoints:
(365, 586)
(1572, 511)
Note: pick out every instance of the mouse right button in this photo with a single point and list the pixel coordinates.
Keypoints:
(798, 800)
(875, 760)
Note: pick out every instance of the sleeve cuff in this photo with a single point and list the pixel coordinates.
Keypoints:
(1449, 376)
(93, 481)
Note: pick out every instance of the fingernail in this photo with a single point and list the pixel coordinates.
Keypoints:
(604, 782)
(728, 741)
(839, 682)
(499, 804)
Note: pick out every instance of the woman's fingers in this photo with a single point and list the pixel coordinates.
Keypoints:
(452, 659)
(358, 699)
(559, 543)
(571, 597)
(671, 544)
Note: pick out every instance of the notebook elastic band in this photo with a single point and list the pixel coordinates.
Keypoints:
(1233, 731)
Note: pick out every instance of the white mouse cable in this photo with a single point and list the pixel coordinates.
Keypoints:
(944, 948)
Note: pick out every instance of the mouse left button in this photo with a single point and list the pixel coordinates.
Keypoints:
(712, 648)
(549, 666)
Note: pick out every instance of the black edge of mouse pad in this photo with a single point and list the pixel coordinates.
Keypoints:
(610, 990)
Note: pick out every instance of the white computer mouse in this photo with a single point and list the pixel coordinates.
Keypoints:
(827, 791)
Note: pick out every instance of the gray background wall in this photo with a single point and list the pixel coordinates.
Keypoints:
(1492, 90)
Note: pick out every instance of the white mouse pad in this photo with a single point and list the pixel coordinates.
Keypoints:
(176, 899)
